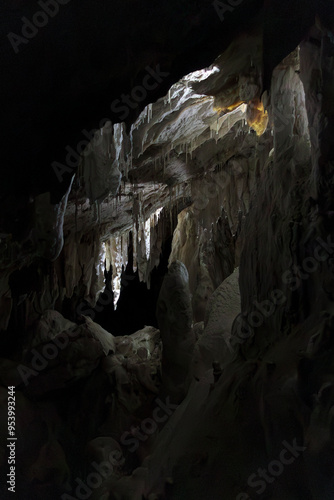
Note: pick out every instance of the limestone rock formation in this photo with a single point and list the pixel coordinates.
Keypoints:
(215, 343)
(174, 314)
(173, 159)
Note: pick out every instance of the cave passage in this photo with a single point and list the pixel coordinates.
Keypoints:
(136, 306)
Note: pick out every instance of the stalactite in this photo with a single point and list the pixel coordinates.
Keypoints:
(131, 150)
(124, 241)
(108, 255)
(147, 232)
(149, 112)
(134, 244)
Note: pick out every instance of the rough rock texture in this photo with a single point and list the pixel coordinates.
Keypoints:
(272, 393)
(80, 405)
(244, 148)
(62, 352)
(206, 248)
(199, 132)
(215, 343)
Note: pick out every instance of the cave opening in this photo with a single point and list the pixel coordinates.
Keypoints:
(136, 306)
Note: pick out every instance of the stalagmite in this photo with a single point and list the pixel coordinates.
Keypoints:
(174, 315)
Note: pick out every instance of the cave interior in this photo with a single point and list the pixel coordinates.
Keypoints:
(166, 252)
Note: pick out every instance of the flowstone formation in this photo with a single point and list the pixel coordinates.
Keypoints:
(216, 344)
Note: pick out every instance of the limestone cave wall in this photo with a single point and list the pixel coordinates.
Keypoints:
(166, 303)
